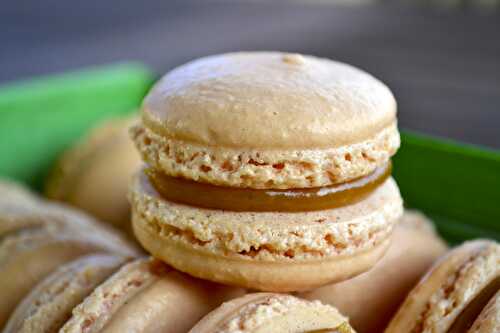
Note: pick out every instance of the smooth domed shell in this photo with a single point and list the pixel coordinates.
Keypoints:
(269, 100)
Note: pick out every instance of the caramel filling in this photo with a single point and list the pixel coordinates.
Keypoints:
(473, 309)
(251, 200)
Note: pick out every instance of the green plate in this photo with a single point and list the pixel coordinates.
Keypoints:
(457, 185)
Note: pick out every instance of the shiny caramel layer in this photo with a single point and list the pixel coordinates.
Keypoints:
(252, 200)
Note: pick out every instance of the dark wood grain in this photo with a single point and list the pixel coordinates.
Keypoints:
(443, 65)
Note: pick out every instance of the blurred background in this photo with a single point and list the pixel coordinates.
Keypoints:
(441, 58)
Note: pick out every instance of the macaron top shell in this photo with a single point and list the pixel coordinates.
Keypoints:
(269, 100)
(449, 288)
(50, 303)
(266, 312)
(267, 120)
(147, 296)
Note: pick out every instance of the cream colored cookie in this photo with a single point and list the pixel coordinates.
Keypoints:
(28, 255)
(94, 174)
(268, 250)
(370, 299)
(489, 319)
(147, 296)
(267, 120)
(278, 313)
(48, 306)
(452, 294)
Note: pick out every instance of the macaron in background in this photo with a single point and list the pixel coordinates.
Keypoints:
(267, 312)
(147, 296)
(453, 293)
(372, 298)
(267, 170)
(94, 174)
(48, 306)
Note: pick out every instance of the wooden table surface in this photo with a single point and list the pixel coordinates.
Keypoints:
(443, 65)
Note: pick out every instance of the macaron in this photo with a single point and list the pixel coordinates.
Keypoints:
(16, 217)
(267, 170)
(11, 191)
(488, 320)
(147, 296)
(371, 299)
(32, 246)
(48, 306)
(94, 174)
(279, 313)
(451, 296)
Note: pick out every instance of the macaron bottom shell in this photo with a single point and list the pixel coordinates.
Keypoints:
(269, 251)
(260, 275)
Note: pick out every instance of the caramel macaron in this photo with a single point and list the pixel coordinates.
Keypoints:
(451, 296)
(279, 313)
(94, 174)
(49, 305)
(37, 240)
(147, 296)
(371, 299)
(267, 170)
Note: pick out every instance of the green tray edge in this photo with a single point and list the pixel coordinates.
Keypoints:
(34, 123)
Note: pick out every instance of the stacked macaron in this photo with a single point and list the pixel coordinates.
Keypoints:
(267, 170)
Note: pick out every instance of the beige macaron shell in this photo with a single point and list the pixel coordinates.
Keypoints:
(448, 288)
(14, 192)
(49, 304)
(29, 255)
(266, 251)
(370, 299)
(94, 174)
(54, 217)
(147, 296)
(489, 319)
(268, 119)
(266, 312)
